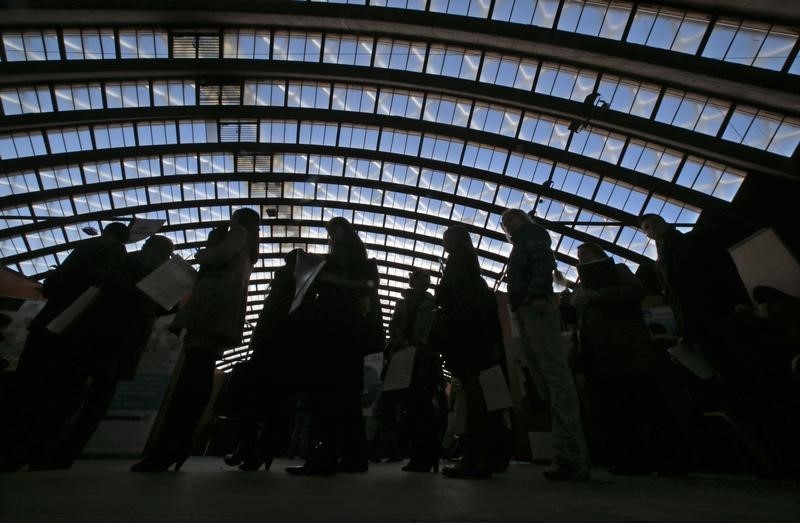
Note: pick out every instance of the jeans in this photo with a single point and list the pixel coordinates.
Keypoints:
(540, 333)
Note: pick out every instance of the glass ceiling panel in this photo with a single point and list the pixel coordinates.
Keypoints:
(754, 128)
(673, 29)
(554, 79)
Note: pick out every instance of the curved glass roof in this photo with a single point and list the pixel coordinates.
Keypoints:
(400, 133)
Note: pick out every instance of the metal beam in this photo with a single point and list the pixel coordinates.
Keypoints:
(684, 140)
(649, 183)
(698, 74)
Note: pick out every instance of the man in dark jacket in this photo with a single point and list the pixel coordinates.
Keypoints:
(703, 288)
(535, 311)
(631, 386)
(108, 342)
(93, 262)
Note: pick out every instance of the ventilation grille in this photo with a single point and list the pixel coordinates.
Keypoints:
(249, 163)
(195, 46)
(220, 94)
(237, 131)
(258, 190)
(284, 212)
(274, 190)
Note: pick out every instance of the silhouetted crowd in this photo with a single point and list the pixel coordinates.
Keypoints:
(616, 397)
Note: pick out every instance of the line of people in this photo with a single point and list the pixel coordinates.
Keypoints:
(317, 348)
(322, 316)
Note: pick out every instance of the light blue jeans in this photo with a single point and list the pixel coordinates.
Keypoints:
(540, 336)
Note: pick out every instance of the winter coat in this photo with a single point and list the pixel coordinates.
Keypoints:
(341, 330)
(411, 320)
(114, 331)
(219, 297)
(530, 265)
(464, 329)
(699, 278)
(613, 336)
(410, 326)
(93, 262)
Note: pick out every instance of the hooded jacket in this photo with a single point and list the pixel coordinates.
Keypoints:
(530, 265)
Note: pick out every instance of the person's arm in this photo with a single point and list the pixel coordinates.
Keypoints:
(396, 323)
(224, 251)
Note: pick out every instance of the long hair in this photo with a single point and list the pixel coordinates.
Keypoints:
(347, 250)
(460, 240)
(250, 220)
(458, 235)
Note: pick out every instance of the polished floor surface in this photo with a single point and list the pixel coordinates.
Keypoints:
(205, 491)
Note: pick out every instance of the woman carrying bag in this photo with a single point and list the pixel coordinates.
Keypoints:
(214, 321)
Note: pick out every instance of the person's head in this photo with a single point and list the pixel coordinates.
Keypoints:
(116, 232)
(246, 217)
(344, 242)
(419, 280)
(654, 226)
(339, 229)
(513, 219)
(456, 235)
(249, 220)
(159, 246)
(589, 252)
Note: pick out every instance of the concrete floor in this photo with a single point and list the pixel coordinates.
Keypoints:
(205, 491)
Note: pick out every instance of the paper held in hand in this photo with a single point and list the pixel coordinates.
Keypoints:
(694, 361)
(141, 228)
(306, 269)
(58, 324)
(763, 259)
(400, 371)
(495, 390)
(169, 283)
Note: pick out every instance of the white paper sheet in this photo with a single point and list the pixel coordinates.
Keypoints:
(763, 259)
(169, 283)
(306, 270)
(141, 228)
(400, 371)
(495, 389)
(58, 324)
(694, 361)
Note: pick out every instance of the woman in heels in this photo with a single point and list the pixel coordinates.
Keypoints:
(266, 393)
(214, 321)
(348, 326)
(465, 331)
(409, 327)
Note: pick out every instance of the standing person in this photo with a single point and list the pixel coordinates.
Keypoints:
(704, 290)
(535, 311)
(463, 334)
(108, 341)
(409, 327)
(630, 383)
(267, 387)
(93, 262)
(214, 321)
(345, 296)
